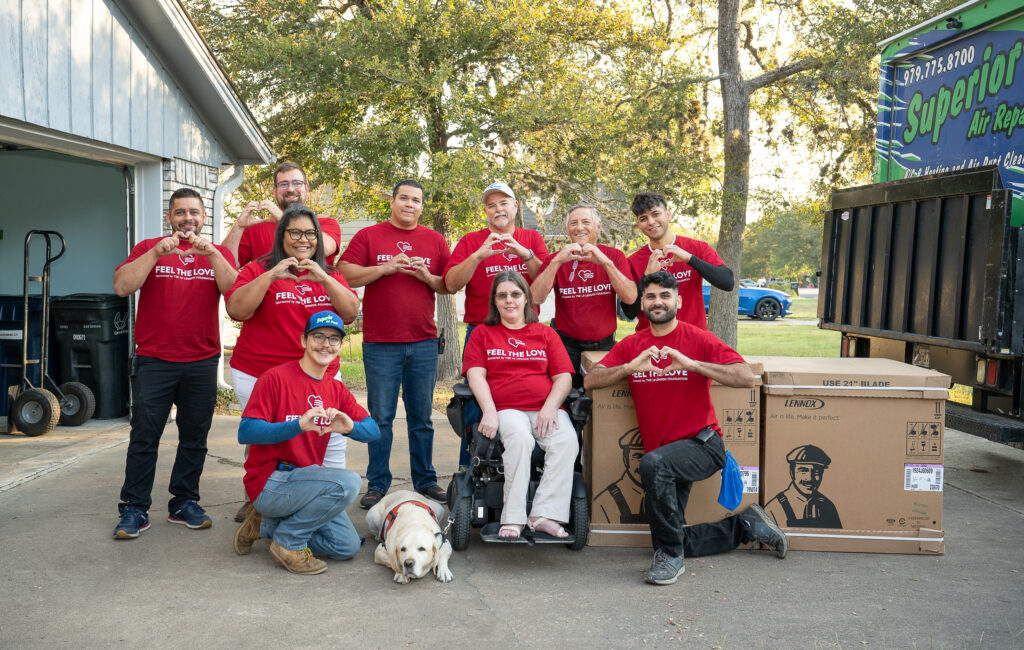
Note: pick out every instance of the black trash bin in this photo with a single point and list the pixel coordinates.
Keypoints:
(12, 315)
(92, 340)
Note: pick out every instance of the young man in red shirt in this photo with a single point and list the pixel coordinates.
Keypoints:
(400, 263)
(290, 416)
(688, 260)
(251, 237)
(180, 279)
(668, 364)
(586, 277)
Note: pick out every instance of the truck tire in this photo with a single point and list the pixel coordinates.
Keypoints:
(767, 309)
(35, 412)
(78, 404)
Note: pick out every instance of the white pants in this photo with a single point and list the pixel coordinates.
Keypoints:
(243, 385)
(560, 449)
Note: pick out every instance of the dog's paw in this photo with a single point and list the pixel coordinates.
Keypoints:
(444, 575)
(401, 579)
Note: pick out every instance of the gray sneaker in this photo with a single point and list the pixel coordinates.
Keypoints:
(764, 530)
(664, 568)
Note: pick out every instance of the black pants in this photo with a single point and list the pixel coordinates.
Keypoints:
(576, 348)
(156, 385)
(668, 474)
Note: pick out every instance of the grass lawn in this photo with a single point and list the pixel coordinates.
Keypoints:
(804, 309)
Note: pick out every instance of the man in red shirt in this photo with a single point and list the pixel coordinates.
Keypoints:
(482, 254)
(177, 333)
(251, 237)
(293, 410)
(400, 263)
(668, 364)
(688, 260)
(587, 277)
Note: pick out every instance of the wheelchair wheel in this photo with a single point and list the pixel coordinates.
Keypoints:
(579, 522)
(463, 524)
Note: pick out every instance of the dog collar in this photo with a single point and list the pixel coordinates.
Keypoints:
(393, 514)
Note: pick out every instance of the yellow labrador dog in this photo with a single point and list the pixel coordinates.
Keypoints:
(410, 541)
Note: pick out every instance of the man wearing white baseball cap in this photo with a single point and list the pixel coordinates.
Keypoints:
(482, 254)
(288, 420)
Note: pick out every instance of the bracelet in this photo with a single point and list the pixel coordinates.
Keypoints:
(532, 255)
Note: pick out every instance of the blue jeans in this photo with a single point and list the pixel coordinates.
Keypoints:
(413, 368)
(306, 507)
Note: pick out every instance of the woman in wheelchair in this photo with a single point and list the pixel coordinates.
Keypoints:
(520, 375)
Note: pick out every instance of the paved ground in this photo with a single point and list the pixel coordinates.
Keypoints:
(67, 583)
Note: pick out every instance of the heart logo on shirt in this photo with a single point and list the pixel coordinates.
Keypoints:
(188, 259)
(511, 257)
(403, 246)
(315, 402)
(586, 274)
(303, 288)
(514, 342)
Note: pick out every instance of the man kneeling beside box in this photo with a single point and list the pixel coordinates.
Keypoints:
(288, 421)
(670, 364)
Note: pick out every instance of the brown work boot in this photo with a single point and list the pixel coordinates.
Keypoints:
(248, 532)
(243, 512)
(301, 561)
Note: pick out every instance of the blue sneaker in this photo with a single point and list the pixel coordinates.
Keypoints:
(190, 514)
(133, 521)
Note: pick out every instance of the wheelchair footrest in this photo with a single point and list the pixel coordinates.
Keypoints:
(489, 533)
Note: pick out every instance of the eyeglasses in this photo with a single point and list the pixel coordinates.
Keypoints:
(333, 339)
(295, 234)
(515, 295)
(295, 185)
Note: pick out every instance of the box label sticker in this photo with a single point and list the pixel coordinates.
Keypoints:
(751, 479)
(922, 478)
(924, 439)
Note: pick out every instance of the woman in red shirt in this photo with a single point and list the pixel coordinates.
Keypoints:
(520, 374)
(275, 295)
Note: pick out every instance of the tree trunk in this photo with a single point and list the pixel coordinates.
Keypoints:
(735, 179)
(449, 365)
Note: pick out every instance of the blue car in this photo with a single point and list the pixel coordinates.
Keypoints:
(757, 302)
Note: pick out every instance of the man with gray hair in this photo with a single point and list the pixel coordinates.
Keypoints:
(587, 277)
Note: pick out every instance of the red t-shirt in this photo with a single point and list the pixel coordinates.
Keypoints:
(479, 288)
(690, 291)
(178, 318)
(675, 405)
(584, 297)
(271, 336)
(258, 239)
(520, 363)
(282, 394)
(397, 308)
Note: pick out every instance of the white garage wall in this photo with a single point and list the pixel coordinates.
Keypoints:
(82, 200)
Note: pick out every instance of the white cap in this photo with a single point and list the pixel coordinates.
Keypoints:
(499, 187)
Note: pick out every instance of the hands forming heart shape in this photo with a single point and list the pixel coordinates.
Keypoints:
(661, 360)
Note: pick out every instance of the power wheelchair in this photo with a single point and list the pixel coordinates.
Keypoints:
(476, 496)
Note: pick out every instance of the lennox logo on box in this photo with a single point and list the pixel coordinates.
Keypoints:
(809, 403)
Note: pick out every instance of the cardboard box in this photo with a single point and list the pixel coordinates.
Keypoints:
(610, 464)
(866, 438)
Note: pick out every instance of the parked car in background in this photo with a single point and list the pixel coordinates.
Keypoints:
(756, 302)
(747, 282)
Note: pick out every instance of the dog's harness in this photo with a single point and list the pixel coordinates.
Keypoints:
(393, 514)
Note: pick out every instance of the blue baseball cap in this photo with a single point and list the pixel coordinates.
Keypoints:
(325, 318)
(499, 187)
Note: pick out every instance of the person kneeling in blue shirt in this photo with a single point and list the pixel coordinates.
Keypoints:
(297, 502)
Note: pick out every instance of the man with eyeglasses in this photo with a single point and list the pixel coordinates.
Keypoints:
(688, 260)
(180, 279)
(587, 277)
(299, 503)
(251, 237)
(482, 254)
(400, 264)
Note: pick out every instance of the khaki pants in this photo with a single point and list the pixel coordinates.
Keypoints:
(560, 449)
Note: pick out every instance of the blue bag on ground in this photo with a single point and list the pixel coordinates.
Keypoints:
(732, 484)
